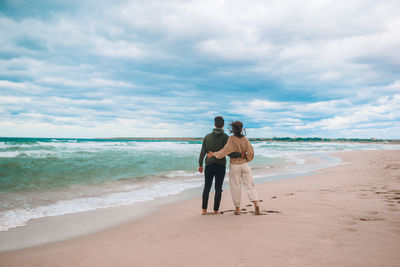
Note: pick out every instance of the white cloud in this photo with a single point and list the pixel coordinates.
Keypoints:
(259, 132)
(119, 49)
(323, 107)
(375, 114)
(265, 104)
(15, 100)
(329, 118)
(155, 64)
(12, 85)
(65, 127)
(85, 83)
(236, 50)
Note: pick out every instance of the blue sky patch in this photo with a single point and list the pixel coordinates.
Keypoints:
(167, 68)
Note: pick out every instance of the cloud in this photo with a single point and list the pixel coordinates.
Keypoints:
(327, 118)
(12, 85)
(92, 68)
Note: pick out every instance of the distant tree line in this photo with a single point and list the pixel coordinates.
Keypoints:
(272, 139)
(319, 139)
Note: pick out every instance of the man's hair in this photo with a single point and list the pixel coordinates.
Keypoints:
(219, 121)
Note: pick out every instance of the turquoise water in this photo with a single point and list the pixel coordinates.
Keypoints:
(35, 164)
(46, 177)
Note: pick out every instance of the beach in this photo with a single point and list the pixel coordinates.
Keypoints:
(346, 215)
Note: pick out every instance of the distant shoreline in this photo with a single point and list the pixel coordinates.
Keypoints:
(275, 139)
(255, 139)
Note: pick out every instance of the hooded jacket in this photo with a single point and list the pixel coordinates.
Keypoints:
(215, 141)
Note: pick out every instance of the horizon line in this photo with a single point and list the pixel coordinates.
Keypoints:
(199, 138)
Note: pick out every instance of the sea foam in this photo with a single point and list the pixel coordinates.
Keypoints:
(119, 172)
(18, 217)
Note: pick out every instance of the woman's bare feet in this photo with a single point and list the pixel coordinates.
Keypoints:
(204, 212)
(237, 211)
(256, 208)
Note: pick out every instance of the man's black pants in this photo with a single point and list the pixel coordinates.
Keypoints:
(211, 171)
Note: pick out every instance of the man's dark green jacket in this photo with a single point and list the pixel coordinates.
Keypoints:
(215, 141)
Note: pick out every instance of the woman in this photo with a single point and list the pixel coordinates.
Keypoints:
(239, 170)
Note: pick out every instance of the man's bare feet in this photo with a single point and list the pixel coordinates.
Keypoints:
(216, 212)
(237, 211)
(204, 212)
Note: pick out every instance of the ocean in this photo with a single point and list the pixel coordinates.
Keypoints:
(42, 177)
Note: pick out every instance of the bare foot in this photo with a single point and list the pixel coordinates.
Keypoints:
(215, 212)
(204, 212)
(237, 211)
(256, 208)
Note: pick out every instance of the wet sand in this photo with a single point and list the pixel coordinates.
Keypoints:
(348, 215)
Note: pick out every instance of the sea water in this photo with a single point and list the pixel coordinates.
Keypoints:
(42, 177)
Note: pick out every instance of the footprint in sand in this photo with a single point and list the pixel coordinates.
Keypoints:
(222, 212)
(261, 213)
(392, 166)
(271, 211)
(348, 223)
(244, 211)
(348, 230)
(369, 219)
(363, 196)
(396, 231)
(351, 190)
(290, 194)
(273, 197)
(323, 191)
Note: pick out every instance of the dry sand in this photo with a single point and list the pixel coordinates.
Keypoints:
(346, 215)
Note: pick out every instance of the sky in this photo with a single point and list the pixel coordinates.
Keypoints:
(88, 69)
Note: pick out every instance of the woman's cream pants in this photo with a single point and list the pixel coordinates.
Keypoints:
(241, 173)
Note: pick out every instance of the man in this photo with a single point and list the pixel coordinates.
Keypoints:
(214, 141)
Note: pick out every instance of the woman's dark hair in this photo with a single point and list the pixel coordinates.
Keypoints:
(236, 128)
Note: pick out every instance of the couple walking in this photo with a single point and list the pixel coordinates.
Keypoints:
(217, 145)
